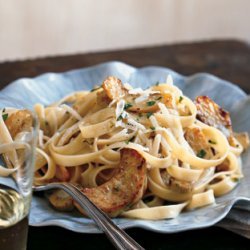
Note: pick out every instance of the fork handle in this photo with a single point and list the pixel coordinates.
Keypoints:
(119, 238)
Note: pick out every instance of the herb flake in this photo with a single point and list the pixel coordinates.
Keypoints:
(150, 103)
(149, 114)
(212, 142)
(180, 99)
(94, 89)
(128, 105)
(201, 153)
(153, 128)
(235, 179)
(5, 117)
(119, 117)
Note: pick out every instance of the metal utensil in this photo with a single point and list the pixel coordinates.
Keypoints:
(119, 238)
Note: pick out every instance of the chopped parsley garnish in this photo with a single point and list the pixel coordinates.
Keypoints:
(235, 179)
(149, 114)
(94, 89)
(158, 98)
(3, 110)
(5, 116)
(123, 115)
(128, 105)
(127, 142)
(201, 153)
(119, 117)
(150, 103)
(180, 99)
(153, 128)
(212, 142)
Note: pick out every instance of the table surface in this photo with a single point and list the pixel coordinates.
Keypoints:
(228, 59)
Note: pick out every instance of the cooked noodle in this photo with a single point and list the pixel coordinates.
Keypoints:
(189, 162)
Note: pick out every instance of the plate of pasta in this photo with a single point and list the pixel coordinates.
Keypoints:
(150, 147)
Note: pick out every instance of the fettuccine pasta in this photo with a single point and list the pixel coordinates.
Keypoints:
(180, 153)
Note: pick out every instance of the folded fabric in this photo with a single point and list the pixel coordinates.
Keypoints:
(238, 221)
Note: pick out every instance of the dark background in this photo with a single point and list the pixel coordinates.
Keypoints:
(213, 238)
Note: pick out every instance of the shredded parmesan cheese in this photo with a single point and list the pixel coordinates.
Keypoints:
(119, 108)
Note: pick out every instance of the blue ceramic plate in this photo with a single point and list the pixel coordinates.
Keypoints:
(50, 87)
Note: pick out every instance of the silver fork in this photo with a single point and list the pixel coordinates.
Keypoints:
(117, 236)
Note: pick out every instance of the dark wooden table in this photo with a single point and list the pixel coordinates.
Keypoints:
(227, 59)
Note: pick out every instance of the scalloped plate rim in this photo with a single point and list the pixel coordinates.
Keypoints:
(195, 75)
